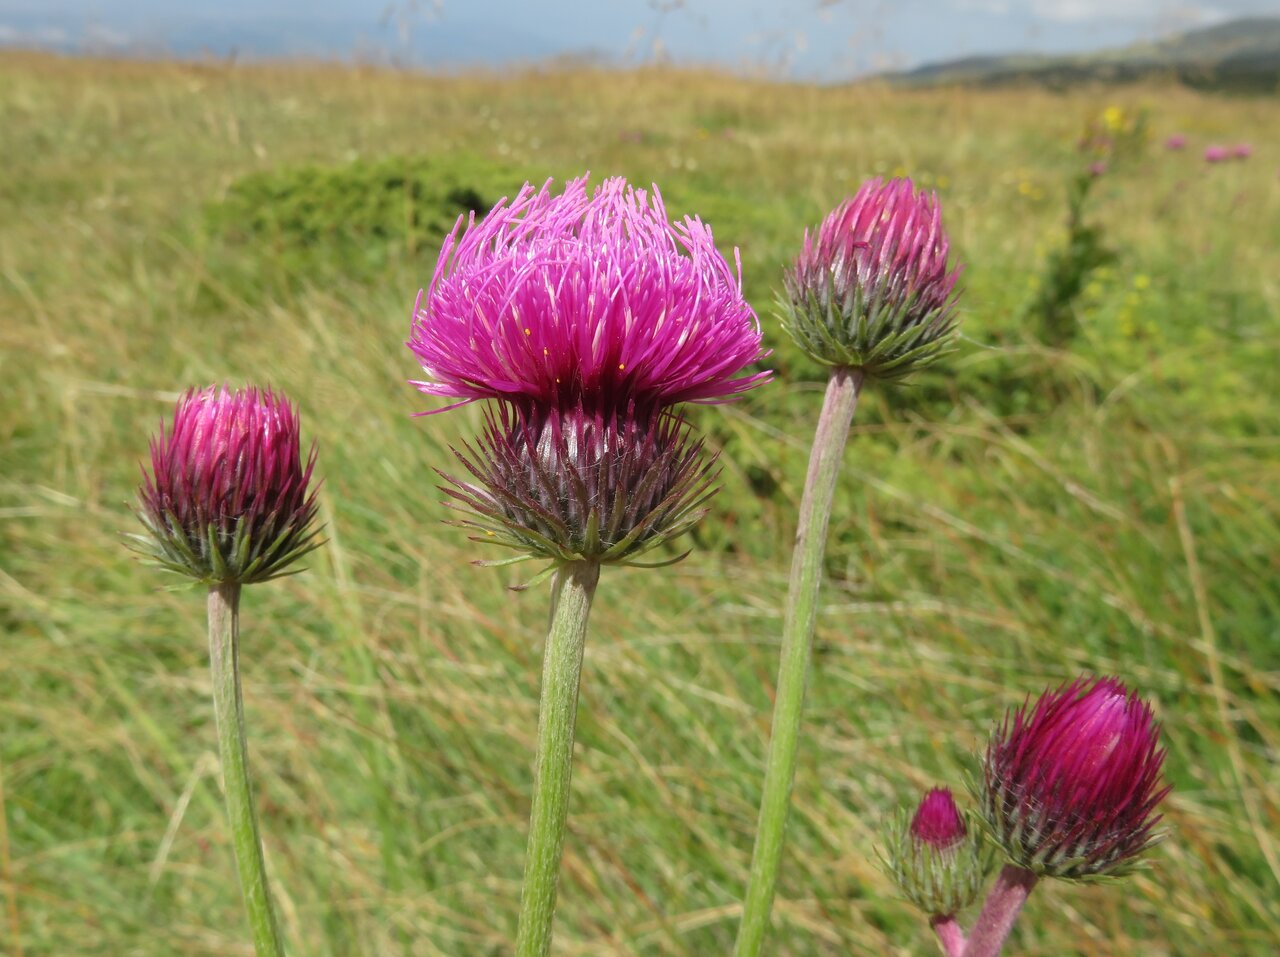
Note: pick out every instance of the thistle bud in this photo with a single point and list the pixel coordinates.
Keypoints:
(871, 290)
(1070, 784)
(935, 859)
(578, 484)
(227, 497)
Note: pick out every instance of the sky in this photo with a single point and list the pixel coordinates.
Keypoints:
(810, 39)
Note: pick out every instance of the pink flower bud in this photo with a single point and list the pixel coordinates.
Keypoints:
(936, 861)
(227, 498)
(871, 290)
(1071, 783)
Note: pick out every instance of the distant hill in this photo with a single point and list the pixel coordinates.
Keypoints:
(1239, 55)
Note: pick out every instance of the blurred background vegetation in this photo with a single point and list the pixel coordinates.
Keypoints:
(1037, 506)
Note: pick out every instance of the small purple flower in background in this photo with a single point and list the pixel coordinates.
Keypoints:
(871, 290)
(1097, 168)
(227, 499)
(1071, 784)
(571, 298)
(1241, 151)
(1175, 142)
(1216, 154)
(936, 861)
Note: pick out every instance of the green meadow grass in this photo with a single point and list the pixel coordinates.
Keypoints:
(1014, 518)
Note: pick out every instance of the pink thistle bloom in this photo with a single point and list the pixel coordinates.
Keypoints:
(871, 290)
(577, 298)
(1241, 151)
(937, 821)
(1071, 783)
(1097, 168)
(227, 497)
(1175, 142)
(1216, 154)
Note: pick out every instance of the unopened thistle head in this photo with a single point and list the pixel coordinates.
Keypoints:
(227, 497)
(584, 299)
(1071, 783)
(935, 858)
(580, 484)
(871, 289)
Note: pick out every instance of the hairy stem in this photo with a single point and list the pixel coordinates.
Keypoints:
(950, 934)
(1000, 910)
(797, 642)
(228, 709)
(574, 588)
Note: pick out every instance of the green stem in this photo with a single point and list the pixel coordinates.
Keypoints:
(574, 587)
(797, 642)
(228, 709)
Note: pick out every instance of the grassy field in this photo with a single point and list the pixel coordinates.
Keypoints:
(1018, 516)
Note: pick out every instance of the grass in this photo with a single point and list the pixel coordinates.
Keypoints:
(1014, 518)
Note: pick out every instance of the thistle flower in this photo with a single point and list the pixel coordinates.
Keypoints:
(1216, 154)
(937, 862)
(586, 318)
(227, 497)
(1070, 785)
(584, 300)
(580, 484)
(871, 290)
(1175, 142)
(1241, 151)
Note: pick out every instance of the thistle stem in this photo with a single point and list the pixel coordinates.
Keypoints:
(574, 588)
(228, 709)
(950, 934)
(1000, 910)
(797, 643)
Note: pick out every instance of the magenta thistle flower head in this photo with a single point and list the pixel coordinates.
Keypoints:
(938, 862)
(578, 299)
(871, 289)
(1241, 151)
(227, 498)
(1175, 142)
(582, 484)
(1216, 154)
(1071, 783)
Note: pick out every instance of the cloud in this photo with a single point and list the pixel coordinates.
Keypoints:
(1095, 11)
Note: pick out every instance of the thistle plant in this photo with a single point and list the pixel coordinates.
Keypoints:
(227, 503)
(1069, 790)
(584, 319)
(871, 297)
